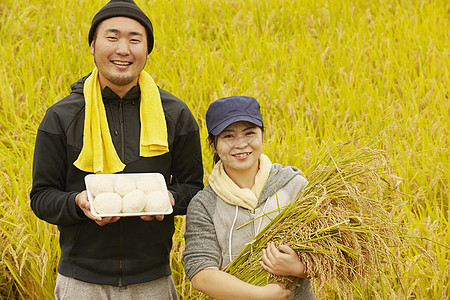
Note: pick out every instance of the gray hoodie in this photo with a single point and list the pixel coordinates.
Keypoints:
(212, 237)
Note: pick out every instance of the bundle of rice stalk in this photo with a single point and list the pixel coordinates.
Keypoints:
(339, 226)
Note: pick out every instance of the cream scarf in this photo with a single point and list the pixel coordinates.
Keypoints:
(231, 193)
(98, 154)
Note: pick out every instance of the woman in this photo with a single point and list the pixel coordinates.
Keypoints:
(225, 216)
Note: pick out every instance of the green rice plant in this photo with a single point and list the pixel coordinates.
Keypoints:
(177, 263)
(28, 247)
(340, 225)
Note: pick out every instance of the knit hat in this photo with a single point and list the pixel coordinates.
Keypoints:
(226, 111)
(123, 8)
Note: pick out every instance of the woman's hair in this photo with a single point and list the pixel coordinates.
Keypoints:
(213, 143)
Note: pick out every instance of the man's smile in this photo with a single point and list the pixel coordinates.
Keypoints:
(121, 63)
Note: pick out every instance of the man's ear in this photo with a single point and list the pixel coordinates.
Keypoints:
(92, 48)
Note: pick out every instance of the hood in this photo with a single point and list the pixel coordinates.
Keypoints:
(77, 87)
(278, 178)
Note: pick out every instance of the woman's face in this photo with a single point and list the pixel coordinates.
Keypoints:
(239, 147)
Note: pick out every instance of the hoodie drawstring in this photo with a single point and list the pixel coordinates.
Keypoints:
(234, 223)
(231, 233)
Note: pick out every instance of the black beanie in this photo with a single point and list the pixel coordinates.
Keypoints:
(123, 8)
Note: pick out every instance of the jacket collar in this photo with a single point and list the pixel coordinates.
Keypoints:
(133, 94)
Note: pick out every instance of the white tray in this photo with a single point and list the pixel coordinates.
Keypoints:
(133, 176)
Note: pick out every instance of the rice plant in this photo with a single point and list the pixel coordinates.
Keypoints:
(341, 225)
(326, 72)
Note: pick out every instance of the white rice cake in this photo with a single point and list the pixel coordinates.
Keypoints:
(134, 190)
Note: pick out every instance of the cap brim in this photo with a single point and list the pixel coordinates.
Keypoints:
(221, 127)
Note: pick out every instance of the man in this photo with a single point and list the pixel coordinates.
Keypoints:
(115, 120)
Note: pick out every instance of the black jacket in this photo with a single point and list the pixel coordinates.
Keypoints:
(130, 250)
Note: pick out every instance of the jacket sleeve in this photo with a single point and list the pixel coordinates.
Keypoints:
(202, 249)
(187, 168)
(49, 199)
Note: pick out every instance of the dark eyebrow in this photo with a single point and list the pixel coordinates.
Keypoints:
(112, 30)
(117, 31)
(135, 33)
(249, 127)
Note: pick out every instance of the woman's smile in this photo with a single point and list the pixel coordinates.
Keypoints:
(242, 155)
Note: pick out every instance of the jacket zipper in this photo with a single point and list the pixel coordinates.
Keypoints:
(122, 141)
(122, 138)
(120, 256)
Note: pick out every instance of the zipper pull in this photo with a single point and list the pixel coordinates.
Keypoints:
(120, 285)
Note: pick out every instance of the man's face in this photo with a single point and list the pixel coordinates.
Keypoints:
(120, 52)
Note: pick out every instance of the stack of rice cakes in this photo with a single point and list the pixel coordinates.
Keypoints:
(134, 194)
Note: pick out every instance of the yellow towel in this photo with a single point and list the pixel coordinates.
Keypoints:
(98, 154)
(231, 193)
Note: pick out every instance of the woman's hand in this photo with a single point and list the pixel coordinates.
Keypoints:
(282, 263)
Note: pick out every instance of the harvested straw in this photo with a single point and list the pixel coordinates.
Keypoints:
(339, 225)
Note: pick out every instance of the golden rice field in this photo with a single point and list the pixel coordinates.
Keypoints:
(325, 72)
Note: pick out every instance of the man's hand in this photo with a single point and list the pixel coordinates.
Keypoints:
(82, 203)
(159, 217)
(283, 263)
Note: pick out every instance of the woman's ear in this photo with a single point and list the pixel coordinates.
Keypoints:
(211, 144)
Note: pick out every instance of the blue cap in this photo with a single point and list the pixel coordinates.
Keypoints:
(226, 111)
